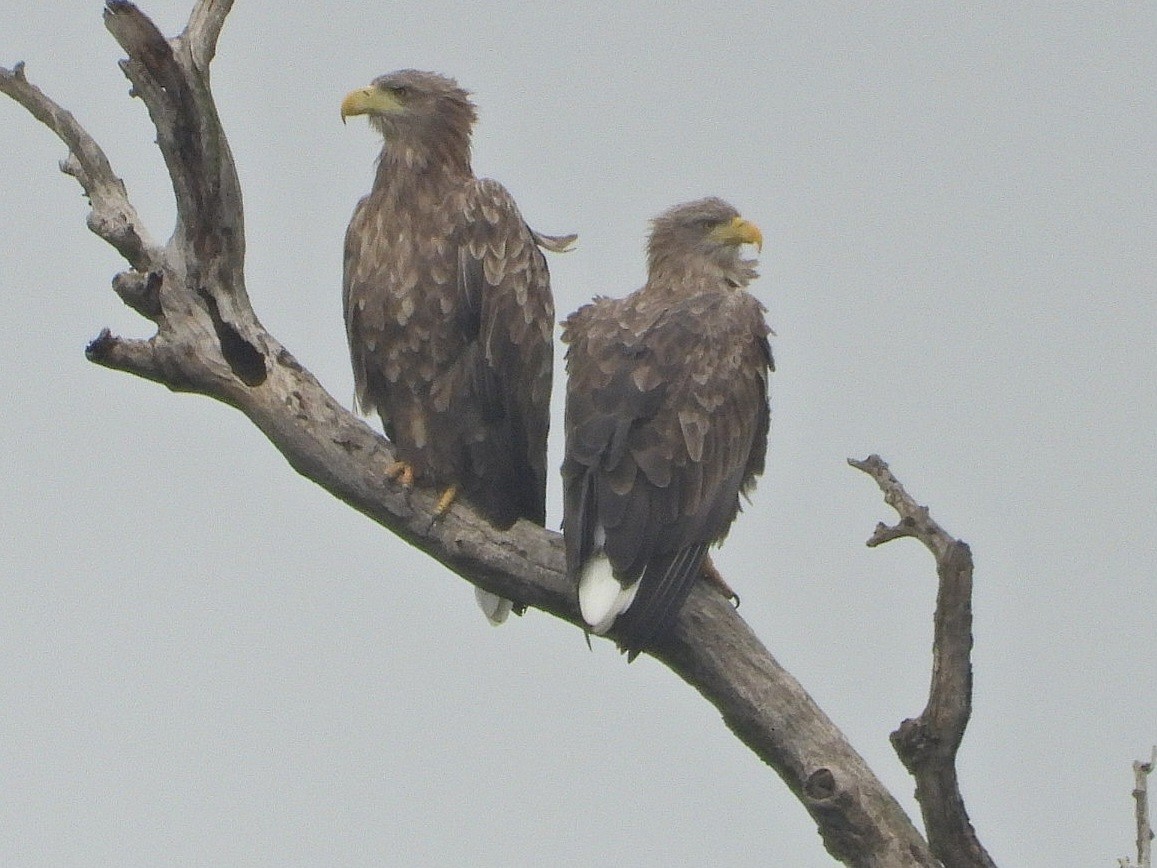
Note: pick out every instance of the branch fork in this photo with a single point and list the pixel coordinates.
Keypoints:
(927, 744)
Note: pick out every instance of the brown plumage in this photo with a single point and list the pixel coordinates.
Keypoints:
(666, 422)
(447, 304)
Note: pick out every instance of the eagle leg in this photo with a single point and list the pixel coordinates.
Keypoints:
(446, 501)
(714, 578)
(402, 472)
(443, 506)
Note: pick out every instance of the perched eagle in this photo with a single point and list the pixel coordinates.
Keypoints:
(666, 422)
(448, 307)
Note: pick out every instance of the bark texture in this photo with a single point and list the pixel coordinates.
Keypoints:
(1141, 772)
(927, 744)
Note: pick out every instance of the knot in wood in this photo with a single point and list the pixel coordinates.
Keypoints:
(915, 743)
(820, 785)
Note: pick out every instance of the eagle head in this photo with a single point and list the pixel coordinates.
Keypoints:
(706, 232)
(414, 109)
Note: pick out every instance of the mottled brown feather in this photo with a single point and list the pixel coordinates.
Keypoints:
(666, 417)
(448, 310)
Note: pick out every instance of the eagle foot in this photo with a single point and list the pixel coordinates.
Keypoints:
(401, 472)
(443, 506)
(714, 578)
(446, 501)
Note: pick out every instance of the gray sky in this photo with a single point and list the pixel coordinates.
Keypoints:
(206, 659)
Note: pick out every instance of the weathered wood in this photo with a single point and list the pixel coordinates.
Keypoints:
(927, 744)
(1141, 772)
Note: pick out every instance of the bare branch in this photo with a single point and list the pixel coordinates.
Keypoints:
(928, 744)
(163, 74)
(205, 23)
(711, 648)
(140, 291)
(113, 218)
(914, 519)
(1141, 772)
(132, 356)
(715, 651)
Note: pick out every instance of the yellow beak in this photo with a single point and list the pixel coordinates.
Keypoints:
(367, 101)
(739, 231)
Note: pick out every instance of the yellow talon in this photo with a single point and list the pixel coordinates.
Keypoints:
(713, 577)
(402, 472)
(446, 501)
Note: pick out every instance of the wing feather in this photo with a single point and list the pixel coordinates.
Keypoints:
(504, 283)
(450, 323)
(668, 581)
(666, 422)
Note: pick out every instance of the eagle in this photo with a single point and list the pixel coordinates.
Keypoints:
(448, 309)
(666, 422)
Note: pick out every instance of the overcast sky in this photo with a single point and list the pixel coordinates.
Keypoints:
(205, 659)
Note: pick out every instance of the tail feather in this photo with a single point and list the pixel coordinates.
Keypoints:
(659, 596)
(601, 596)
(496, 609)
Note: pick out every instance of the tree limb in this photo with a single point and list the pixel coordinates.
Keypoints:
(205, 23)
(1141, 772)
(209, 341)
(113, 217)
(928, 744)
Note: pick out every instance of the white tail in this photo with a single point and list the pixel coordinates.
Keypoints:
(495, 608)
(601, 597)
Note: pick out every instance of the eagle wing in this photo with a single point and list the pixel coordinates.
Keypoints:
(666, 423)
(450, 322)
(359, 267)
(506, 304)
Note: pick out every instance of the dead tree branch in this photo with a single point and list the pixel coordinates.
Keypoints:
(205, 23)
(927, 745)
(113, 218)
(209, 341)
(1141, 772)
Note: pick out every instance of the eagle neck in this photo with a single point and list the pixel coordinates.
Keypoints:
(432, 156)
(683, 278)
(673, 274)
(404, 179)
